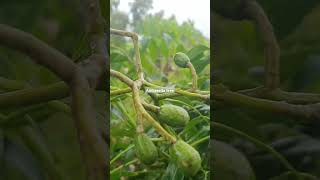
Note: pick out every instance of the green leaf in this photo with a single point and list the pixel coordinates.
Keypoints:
(295, 176)
(118, 59)
(173, 173)
(199, 58)
(197, 51)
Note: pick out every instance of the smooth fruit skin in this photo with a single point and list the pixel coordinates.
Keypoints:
(146, 151)
(229, 163)
(186, 157)
(181, 59)
(174, 116)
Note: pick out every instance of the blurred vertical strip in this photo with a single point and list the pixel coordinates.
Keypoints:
(105, 4)
(212, 37)
(108, 75)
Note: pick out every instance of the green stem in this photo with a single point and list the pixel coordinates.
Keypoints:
(157, 139)
(200, 141)
(121, 153)
(12, 85)
(151, 107)
(258, 143)
(191, 94)
(34, 95)
(136, 101)
(39, 148)
(194, 76)
(122, 166)
(120, 91)
(7, 121)
(125, 112)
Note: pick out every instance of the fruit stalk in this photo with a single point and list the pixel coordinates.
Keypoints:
(147, 116)
(194, 77)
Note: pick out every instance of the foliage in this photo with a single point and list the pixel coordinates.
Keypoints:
(158, 45)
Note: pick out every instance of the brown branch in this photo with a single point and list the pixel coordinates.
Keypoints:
(93, 147)
(280, 95)
(309, 112)
(121, 77)
(39, 51)
(272, 51)
(95, 27)
(18, 96)
(135, 39)
(95, 69)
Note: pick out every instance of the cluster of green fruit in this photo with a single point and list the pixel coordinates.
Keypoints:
(182, 154)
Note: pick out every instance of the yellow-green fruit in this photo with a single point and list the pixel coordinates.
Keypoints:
(186, 157)
(174, 116)
(146, 151)
(181, 59)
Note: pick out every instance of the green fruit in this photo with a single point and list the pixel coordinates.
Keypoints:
(174, 116)
(229, 163)
(146, 151)
(186, 157)
(181, 59)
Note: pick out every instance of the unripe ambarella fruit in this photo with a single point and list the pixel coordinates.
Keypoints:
(174, 116)
(181, 59)
(186, 157)
(146, 151)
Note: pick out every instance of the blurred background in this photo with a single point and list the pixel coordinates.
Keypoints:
(239, 64)
(196, 11)
(60, 24)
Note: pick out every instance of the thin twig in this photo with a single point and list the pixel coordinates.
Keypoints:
(258, 143)
(31, 96)
(309, 112)
(121, 77)
(135, 39)
(39, 51)
(272, 51)
(120, 91)
(194, 76)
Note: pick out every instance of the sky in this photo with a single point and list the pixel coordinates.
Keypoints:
(196, 10)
